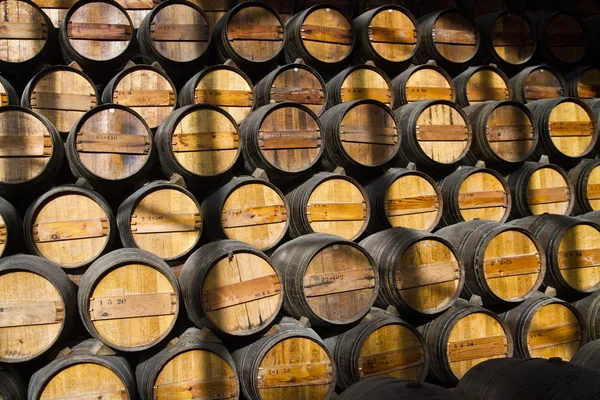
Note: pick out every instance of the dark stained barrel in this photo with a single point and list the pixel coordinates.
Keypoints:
(563, 38)
(12, 386)
(585, 178)
(11, 229)
(537, 83)
(480, 84)
(8, 94)
(589, 307)
(396, 389)
(359, 82)
(422, 82)
(588, 356)
(478, 8)
(584, 82)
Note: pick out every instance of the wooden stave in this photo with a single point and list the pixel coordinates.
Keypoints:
(461, 83)
(398, 389)
(345, 6)
(587, 356)
(11, 94)
(14, 228)
(574, 79)
(471, 240)
(543, 23)
(12, 386)
(519, 80)
(111, 261)
(334, 85)
(399, 83)
(588, 307)
(579, 177)
(60, 281)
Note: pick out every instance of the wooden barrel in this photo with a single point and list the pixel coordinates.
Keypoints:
(507, 38)
(138, 9)
(167, 373)
(284, 8)
(584, 82)
(27, 36)
(213, 9)
(568, 128)
(110, 146)
(11, 229)
(404, 198)
(480, 84)
(359, 136)
(357, 83)
(462, 337)
(247, 209)
(37, 315)
(587, 356)
(322, 36)
(329, 203)
(283, 139)
(287, 362)
(252, 35)
(381, 344)
(129, 299)
(449, 38)
(420, 273)
(62, 94)
(162, 218)
(8, 94)
(475, 193)
(231, 287)
(503, 263)
(539, 188)
(537, 83)
(89, 370)
(546, 327)
(563, 38)
(504, 133)
(361, 6)
(224, 86)
(177, 35)
(571, 246)
(329, 280)
(589, 308)
(31, 151)
(527, 379)
(12, 387)
(388, 36)
(397, 389)
(422, 82)
(55, 10)
(585, 178)
(436, 134)
(344, 5)
(98, 35)
(294, 82)
(146, 89)
(200, 142)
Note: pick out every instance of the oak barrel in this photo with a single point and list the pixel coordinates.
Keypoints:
(193, 363)
(287, 362)
(231, 287)
(146, 89)
(327, 279)
(11, 229)
(55, 10)
(503, 263)
(247, 209)
(70, 226)
(38, 307)
(357, 83)
(214, 9)
(480, 84)
(12, 386)
(571, 246)
(381, 344)
(62, 94)
(404, 198)
(89, 370)
(475, 193)
(563, 38)
(589, 307)
(162, 218)
(584, 82)
(283, 139)
(537, 83)
(420, 273)
(129, 299)
(461, 338)
(395, 389)
(329, 203)
(8, 94)
(588, 356)
(585, 178)
(539, 188)
(422, 82)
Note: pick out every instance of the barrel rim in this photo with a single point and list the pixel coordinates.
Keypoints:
(436, 15)
(588, 169)
(409, 72)
(538, 166)
(472, 70)
(543, 34)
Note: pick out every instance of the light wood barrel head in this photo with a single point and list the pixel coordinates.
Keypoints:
(179, 33)
(23, 31)
(227, 89)
(589, 84)
(548, 192)
(366, 83)
(475, 338)
(214, 9)
(296, 368)
(510, 133)
(512, 265)
(592, 188)
(138, 9)
(3, 95)
(31, 315)
(565, 38)
(428, 276)
(579, 257)
(300, 86)
(255, 33)
(25, 146)
(412, 201)
(393, 35)
(241, 294)
(513, 39)
(55, 9)
(572, 129)
(255, 214)
(146, 92)
(543, 84)
(483, 196)
(428, 84)
(62, 96)
(133, 306)
(392, 350)
(99, 31)
(455, 37)
(167, 223)
(487, 85)
(327, 35)
(85, 381)
(196, 374)
(554, 331)
(3, 235)
(338, 207)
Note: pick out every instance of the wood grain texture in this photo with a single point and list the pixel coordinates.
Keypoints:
(255, 33)
(571, 129)
(366, 83)
(513, 39)
(23, 32)
(214, 9)
(543, 84)
(554, 331)
(327, 35)
(428, 84)
(301, 86)
(393, 35)
(510, 133)
(548, 192)
(454, 37)
(593, 188)
(484, 196)
(85, 381)
(487, 85)
(55, 9)
(578, 257)
(412, 202)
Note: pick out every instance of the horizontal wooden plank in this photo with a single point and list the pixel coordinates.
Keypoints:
(114, 395)
(380, 34)
(442, 133)
(554, 336)
(253, 216)
(62, 101)
(593, 191)
(487, 94)
(571, 128)
(458, 37)
(289, 139)
(484, 199)
(59, 231)
(588, 91)
(537, 92)
(30, 313)
(509, 133)
(372, 137)
(144, 98)
(471, 349)
(336, 212)
(179, 32)
(25, 146)
(205, 141)
(297, 95)
(390, 361)
(65, 4)
(338, 282)
(112, 143)
(574, 259)
(260, 32)
(206, 389)
(166, 222)
(132, 306)
(22, 31)
(97, 31)
(224, 98)
(411, 205)
(412, 276)
(511, 38)
(326, 34)
(513, 265)
(565, 39)
(548, 195)
(291, 375)
(416, 93)
(359, 93)
(240, 293)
